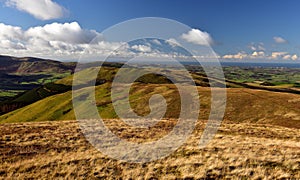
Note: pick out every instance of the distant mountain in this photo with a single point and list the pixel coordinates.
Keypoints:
(25, 65)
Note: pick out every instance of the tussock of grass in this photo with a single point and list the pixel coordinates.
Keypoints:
(58, 150)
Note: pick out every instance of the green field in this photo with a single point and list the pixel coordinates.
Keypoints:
(264, 76)
(14, 84)
(258, 137)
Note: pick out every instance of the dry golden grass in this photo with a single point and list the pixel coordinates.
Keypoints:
(48, 150)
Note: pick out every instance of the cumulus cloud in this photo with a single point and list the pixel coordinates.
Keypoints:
(11, 45)
(40, 9)
(282, 56)
(173, 42)
(156, 41)
(279, 40)
(239, 55)
(67, 32)
(294, 57)
(10, 32)
(261, 55)
(257, 46)
(141, 48)
(258, 54)
(55, 40)
(71, 41)
(11, 37)
(253, 48)
(287, 57)
(290, 57)
(276, 55)
(196, 36)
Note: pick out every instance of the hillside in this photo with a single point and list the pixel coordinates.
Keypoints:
(58, 150)
(243, 105)
(106, 74)
(25, 65)
(18, 75)
(259, 137)
(41, 85)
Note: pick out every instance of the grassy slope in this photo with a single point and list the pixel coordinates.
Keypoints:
(39, 112)
(106, 74)
(245, 150)
(59, 107)
(33, 65)
(55, 150)
(243, 105)
(48, 89)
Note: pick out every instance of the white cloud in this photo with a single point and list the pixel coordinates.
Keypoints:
(253, 48)
(283, 56)
(63, 41)
(257, 46)
(196, 36)
(6, 44)
(141, 48)
(294, 57)
(261, 55)
(67, 32)
(10, 32)
(67, 41)
(258, 54)
(173, 42)
(156, 41)
(239, 55)
(40, 9)
(11, 37)
(286, 57)
(290, 57)
(70, 41)
(279, 40)
(276, 55)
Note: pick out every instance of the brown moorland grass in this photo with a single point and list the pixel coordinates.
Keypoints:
(48, 150)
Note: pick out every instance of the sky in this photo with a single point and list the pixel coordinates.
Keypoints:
(267, 30)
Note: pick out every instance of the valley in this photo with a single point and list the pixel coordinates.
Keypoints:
(259, 136)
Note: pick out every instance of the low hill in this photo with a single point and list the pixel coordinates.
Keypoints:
(18, 75)
(243, 105)
(25, 65)
(53, 101)
(106, 74)
(21, 74)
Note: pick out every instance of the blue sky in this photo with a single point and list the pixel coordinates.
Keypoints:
(238, 28)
